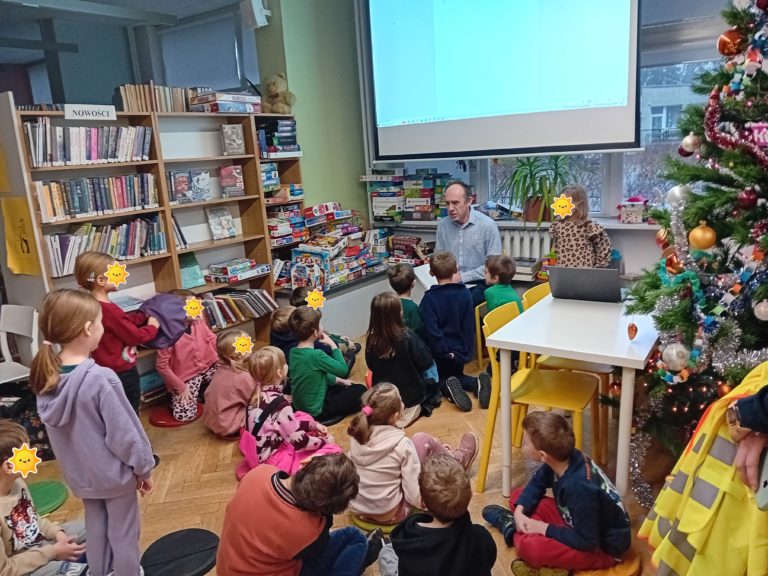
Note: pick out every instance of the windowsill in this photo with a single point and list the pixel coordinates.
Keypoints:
(607, 222)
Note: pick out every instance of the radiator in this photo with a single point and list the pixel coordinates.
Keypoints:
(525, 243)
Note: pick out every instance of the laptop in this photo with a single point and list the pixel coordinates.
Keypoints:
(592, 284)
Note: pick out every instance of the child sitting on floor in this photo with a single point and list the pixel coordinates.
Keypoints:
(584, 527)
(280, 334)
(402, 279)
(318, 383)
(442, 542)
(281, 525)
(449, 322)
(231, 389)
(397, 355)
(388, 462)
(188, 366)
(31, 544)
(284, 438)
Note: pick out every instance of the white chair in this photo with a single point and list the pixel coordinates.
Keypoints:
(21, 321)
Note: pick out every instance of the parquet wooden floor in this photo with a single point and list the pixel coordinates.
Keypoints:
(196, 479)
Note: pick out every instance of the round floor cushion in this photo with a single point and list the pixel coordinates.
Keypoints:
(189, 552)
(366, 526)
(48, 495)
(161, 417)
(631, 566)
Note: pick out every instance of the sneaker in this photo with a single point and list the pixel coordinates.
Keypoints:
(457, 395)
(375, 544)
(522, 568)
(468, 383)
(409, 416)
(484, 389)
(502, 519)
(157, 459)
(356, 347)
(72, 569)
(467, 449)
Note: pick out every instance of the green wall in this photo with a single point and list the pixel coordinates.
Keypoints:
(319, 52)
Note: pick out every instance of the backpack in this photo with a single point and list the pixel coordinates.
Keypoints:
(169, 311)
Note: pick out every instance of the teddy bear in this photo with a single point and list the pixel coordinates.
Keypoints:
(277, 99)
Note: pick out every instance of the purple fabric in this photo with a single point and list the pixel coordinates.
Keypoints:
(95, 434)
(169, 311)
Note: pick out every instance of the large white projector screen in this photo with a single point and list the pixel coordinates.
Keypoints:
(460, 78)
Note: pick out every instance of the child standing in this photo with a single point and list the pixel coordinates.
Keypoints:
(102, 450)
(292, 534)
(402, 279)
(443, 542)
(578, 241)
(499, 271)
(284, 438)
(388, 462)
(231, 389)
(188, 366)
(318, 383)
(584, 527)
(123, 331)
(395, 354)
(32, 545)
(449, 321)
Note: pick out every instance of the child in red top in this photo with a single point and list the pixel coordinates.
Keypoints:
(123, 331)
(226, 399)
(188, 366)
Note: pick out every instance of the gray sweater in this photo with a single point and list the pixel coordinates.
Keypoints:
(95, 435)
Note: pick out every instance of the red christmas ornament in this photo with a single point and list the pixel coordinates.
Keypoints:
(730, 42)
(737, 212)
(662, 238)
(683, 152)
(632, 330)
(614, 390)
(747, 199)
(759, 230)
(723, 389)
(762, 4)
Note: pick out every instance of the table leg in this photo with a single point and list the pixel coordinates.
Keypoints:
(625, 429)
(506, 422)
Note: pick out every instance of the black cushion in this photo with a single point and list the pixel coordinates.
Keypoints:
(189, 552)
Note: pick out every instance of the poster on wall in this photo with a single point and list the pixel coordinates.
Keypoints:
(19, 236)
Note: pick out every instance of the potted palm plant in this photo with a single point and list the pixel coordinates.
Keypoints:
(534, 183)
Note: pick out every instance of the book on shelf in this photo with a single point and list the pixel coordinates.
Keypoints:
(181, 240)
(227, 307)
(156, 98)
(95, 196)
(201, 185)
(124, 241)
(203, 97)
(42, 107)
(53, 145)
(232, 140)
(227, 107)
(231, 181)
(191, 273)
(258, 270)
(179, 186)
(221, 222)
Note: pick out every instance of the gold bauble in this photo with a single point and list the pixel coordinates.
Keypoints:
(702, 237)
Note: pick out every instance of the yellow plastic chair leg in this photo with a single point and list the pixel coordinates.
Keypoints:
(578, 422)
(594, 409)
(603, 451)
(490, 425)
(517, 431)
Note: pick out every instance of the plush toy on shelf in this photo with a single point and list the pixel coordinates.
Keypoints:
(276, 97)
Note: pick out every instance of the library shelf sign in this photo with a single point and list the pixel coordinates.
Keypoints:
(89, 112)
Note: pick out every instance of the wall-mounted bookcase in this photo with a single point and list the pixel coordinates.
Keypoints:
(177, 142)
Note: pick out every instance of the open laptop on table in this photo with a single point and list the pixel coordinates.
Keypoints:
(592, 284)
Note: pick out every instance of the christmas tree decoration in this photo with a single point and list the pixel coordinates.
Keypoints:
(678, 195)
(676, 356)
(691, 143)
(632, 330)
(761, 310)
(747, 199)
(762, 4)
(723, 389)
(730, 42)
(702, 237)
(683, 152)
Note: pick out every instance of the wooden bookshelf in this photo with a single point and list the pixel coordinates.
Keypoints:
(177, 139)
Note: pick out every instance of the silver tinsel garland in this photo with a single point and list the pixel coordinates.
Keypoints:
(681, 237)
(638, 448)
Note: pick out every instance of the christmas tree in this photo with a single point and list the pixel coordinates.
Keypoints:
(709, 296)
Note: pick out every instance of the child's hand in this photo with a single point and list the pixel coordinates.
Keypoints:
(534, 526)
(327, 340)
(145, 486)
(186, 396)
(152, 321)
(321, 429)
(66, 549)
(520, 520)
(344, 381)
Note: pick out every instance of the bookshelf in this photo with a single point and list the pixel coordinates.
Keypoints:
(178, 141)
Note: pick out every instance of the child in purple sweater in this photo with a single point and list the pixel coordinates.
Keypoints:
(103, 452)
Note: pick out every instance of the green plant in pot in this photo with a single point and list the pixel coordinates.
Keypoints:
(534, 183)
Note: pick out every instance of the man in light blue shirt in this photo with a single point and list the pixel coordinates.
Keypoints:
(470, 235)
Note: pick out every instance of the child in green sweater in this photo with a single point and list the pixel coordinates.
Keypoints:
(499, 271)
(318, 381)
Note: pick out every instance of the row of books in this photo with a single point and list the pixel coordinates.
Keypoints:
(155, 98)
(186, 186)
(225, 308)
(226, 102)
(277, 138)
(125, 241)
(51, 145)
(82, 197)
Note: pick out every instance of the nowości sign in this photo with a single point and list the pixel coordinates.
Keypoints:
(89, 112)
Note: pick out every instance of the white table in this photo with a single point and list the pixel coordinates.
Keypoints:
(589, 331)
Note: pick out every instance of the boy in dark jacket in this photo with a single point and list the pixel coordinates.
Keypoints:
(449, 324)
(585, 525)
(443, 542)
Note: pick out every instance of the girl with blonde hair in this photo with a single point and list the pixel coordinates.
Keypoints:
(578, 241)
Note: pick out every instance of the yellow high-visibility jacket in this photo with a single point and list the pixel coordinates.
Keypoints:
(705, 521)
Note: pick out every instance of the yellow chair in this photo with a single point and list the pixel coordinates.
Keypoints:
(533, 295)
(601, 371)
(480, 311)
(571, 391)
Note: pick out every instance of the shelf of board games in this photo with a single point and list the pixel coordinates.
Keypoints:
(178, 141)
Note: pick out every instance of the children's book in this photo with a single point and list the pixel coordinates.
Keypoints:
(182, 186)
(232, 141)
(201, 185)
(191, 273)
(231, 181)
(221, 222)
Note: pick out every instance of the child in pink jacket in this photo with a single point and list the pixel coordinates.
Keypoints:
(227, 398)
(187, 367)
(276, 434)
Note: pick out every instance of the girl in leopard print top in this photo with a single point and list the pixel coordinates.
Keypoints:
(579, 242)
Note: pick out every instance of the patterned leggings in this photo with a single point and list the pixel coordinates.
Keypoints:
(185, 410)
